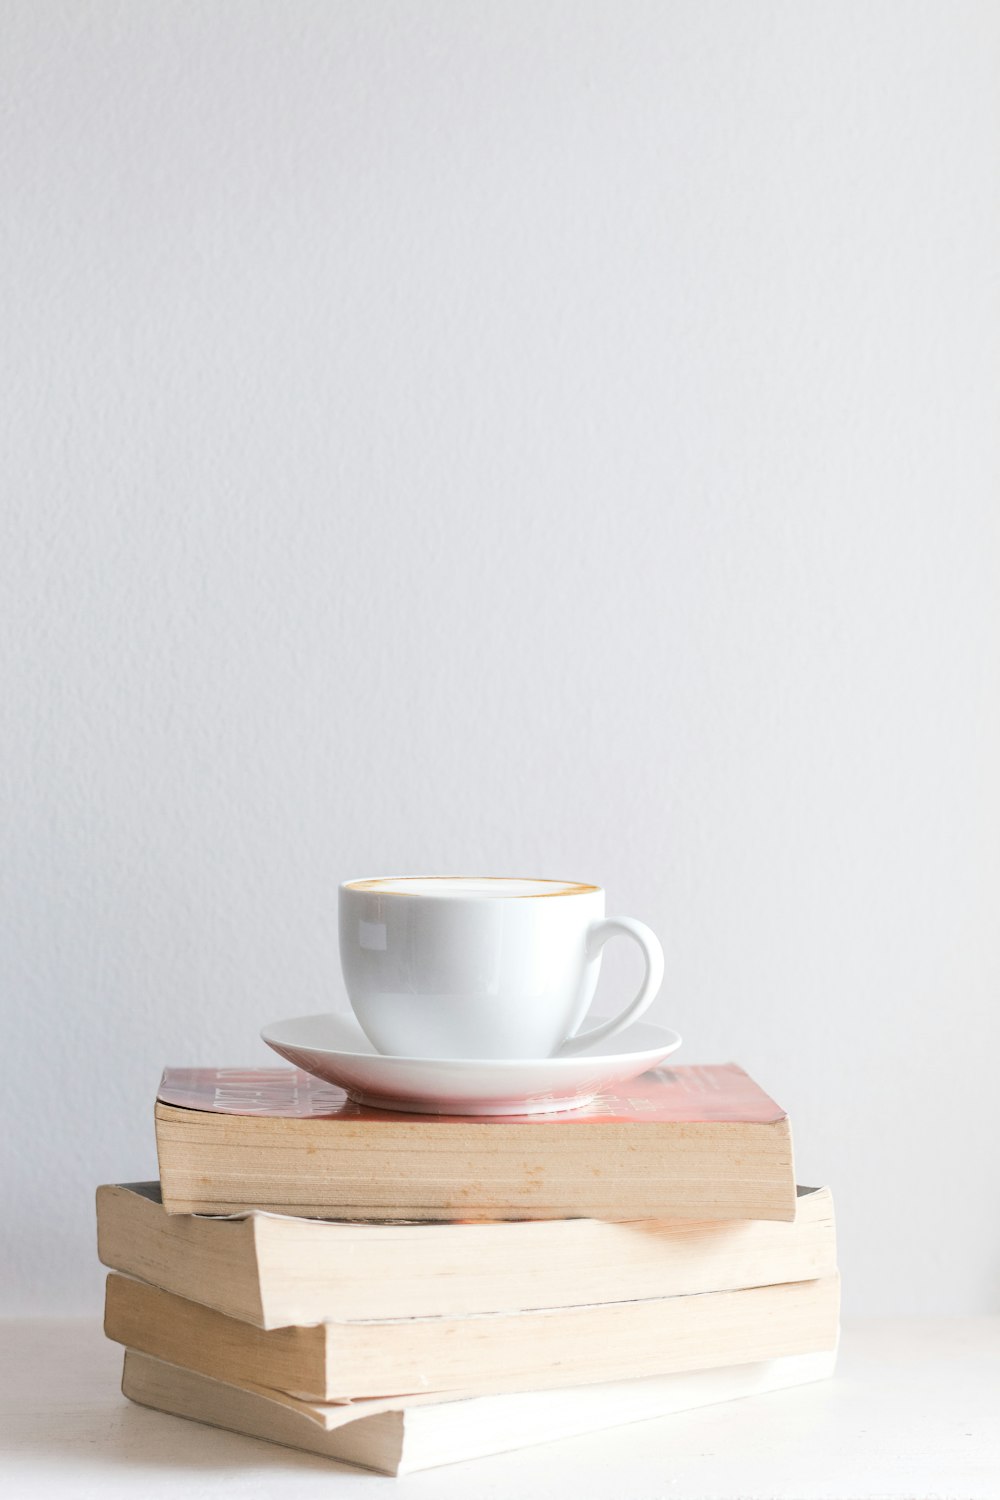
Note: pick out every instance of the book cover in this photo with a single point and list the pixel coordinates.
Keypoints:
(685, 1095)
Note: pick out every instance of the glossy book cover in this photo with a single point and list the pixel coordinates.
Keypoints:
(683, 1095)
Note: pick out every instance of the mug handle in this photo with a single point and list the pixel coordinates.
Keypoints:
(598, 935)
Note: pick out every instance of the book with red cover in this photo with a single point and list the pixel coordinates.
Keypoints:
(681, 1143)
(686, 1094)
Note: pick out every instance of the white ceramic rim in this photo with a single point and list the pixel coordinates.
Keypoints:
(387, 885)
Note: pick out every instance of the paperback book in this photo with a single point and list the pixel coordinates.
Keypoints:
(679, 1143)
(483, 1353)
(400, 1435)
(275, 1270)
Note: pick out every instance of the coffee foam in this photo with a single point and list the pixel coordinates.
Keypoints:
(489, 887)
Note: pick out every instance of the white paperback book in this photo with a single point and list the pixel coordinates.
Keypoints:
(398, 1435)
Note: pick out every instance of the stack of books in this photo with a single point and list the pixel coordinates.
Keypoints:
(399, 1291)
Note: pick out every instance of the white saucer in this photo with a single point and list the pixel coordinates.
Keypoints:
(334, 1048)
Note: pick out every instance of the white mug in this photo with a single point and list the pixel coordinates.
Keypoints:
(454, 966)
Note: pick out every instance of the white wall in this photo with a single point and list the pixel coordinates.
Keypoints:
(527, 436)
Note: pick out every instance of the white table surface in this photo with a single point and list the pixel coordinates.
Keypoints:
(913, 1414)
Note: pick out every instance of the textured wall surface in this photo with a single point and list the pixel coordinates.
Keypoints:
(545, 438)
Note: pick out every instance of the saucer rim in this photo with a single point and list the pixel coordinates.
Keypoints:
(672, 1041)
